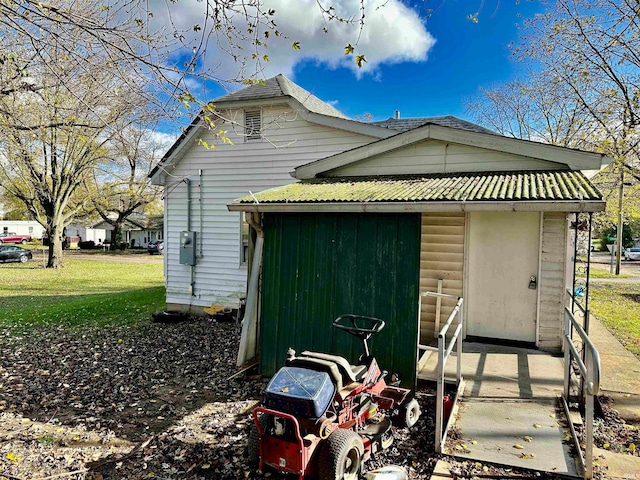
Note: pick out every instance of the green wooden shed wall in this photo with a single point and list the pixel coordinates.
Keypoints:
(318, 266)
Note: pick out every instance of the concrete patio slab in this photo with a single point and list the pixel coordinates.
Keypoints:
(501, 371)
(525, 433)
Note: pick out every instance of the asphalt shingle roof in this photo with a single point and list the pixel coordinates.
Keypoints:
(486, 186)
(404, 124)
(280, 87)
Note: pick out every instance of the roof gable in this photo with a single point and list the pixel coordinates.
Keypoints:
(282, 90)
(280, 87)
(547, 156)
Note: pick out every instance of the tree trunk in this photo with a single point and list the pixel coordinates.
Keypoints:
(54, 232)
(116, 239)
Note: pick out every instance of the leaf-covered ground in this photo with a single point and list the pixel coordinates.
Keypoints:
(141, 402)
(152, 401)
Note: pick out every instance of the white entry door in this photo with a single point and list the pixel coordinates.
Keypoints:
(503, 250)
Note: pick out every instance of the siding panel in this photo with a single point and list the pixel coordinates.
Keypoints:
(552, 281)
(433, 156)
(441, 257)
(230, 172)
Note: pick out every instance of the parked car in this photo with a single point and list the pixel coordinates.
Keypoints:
(10, 237)
(156, 247)
(632, 254)
(11, 253)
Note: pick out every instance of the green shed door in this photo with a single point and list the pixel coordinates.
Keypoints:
(319, 266)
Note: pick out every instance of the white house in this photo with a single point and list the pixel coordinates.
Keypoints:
(273, 128)
(477, 214)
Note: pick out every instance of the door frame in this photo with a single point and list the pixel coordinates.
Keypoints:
(465, 275)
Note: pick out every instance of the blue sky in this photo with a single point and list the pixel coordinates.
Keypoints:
(406, 70)
(465, 57)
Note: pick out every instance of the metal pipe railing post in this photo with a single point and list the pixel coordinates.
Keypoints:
(440, 394)
(589, 365)
(575, 259)
(589, 438)
(459, 347)
(567, 356)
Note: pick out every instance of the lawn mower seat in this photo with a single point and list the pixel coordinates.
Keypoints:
(319, 365)
(350, 373)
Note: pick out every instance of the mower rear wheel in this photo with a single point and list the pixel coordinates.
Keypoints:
(253, 444)
(341, 456)
(411, 413)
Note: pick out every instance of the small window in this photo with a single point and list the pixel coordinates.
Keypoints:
(252, 124)
(244, 240)
(30, 230)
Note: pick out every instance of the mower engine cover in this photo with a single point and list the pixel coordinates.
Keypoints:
(299, 392)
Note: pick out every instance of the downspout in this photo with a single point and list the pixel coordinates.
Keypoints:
(191, 267)
(201, 213)
(249, 336)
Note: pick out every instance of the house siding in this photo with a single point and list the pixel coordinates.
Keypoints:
(441, 257)
(552, 281)
(319, 266)
(434, 156)
(220, 175)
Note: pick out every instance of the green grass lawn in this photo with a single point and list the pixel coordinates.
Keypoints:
(83, 293)
(597, 273)
(618, 308)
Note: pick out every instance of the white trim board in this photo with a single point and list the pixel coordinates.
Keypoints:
(492, 206)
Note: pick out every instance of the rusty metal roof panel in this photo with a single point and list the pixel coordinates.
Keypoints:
(456, 187)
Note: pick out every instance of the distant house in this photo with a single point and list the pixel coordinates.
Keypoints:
(137, 230)
(22, 227)
(85, 233)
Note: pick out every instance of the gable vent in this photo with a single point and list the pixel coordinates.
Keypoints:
(252, 124)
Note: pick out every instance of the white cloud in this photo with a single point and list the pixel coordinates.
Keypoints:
(393, 33)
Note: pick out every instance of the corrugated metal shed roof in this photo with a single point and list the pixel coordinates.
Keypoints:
(502, 186)
(404, 124)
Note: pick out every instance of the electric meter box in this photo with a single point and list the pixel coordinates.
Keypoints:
(188, 248)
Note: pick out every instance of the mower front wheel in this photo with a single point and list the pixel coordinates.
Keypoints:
(341, 456)
(253, 444)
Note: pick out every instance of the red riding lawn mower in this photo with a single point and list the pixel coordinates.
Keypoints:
(323, 417)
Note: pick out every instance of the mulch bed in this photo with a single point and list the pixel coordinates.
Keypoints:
(149, 402)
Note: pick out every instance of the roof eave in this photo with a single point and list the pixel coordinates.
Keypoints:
(173, 154)
(352, 126)
(409, 207)
(574, 159)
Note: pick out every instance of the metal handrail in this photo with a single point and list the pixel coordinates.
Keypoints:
(590, 372)
(444, 352)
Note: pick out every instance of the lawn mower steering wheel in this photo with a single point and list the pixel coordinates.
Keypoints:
(353, 325)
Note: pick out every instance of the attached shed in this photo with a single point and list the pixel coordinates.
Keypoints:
(367, 230)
